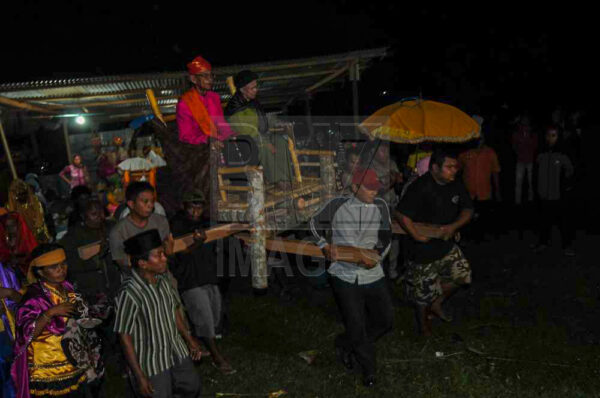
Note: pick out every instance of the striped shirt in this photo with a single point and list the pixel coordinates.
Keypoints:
(146, 312)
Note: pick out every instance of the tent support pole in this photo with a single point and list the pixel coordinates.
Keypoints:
(67, 142)
(355, 77)
(7, 152)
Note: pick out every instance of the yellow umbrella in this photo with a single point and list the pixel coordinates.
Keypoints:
(415, 121)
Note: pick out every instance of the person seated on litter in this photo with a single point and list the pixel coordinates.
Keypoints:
(247, 117)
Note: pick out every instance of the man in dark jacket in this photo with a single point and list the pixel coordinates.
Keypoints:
(553, 167)
(96, 276)
(363, 221)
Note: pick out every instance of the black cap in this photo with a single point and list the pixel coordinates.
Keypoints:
(143, 243)
(243, 78)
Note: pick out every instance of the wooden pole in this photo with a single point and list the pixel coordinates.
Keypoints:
(327, 177)
(301, 63)
(329, 78)
(118, 102)
(236, 170)
(24, 105)
(256, 213)
(34, 144)
(315, 152)
(181, 242)
(231, 85)
(9, 158)
(291, 148)
(311, 130)
(88, 96)
(305, 248)
(67, 142)
(154, 105)
(222, 191)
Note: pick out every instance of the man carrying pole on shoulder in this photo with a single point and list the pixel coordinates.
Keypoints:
(362, 221)
(436, 267)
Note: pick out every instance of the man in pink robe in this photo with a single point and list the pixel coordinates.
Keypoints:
(199, 111)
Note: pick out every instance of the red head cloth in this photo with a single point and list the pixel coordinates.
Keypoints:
(25, 243)
(367, 178)
(198, 65)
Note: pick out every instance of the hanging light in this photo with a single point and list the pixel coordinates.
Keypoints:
(80, 120)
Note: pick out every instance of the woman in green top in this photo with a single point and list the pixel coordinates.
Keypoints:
(247, 117)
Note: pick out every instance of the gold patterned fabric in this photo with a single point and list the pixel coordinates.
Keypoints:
(22, 200)
(50, 372)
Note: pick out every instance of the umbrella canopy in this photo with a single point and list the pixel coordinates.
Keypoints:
(136, 164)
(415, 121)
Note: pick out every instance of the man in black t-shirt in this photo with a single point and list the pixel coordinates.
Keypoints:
(436, 267)
(196, 272)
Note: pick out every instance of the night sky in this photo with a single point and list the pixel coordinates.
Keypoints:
(474, 57)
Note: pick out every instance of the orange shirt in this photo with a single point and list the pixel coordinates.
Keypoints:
(478, 165)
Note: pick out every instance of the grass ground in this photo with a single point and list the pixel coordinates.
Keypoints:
(527, 328)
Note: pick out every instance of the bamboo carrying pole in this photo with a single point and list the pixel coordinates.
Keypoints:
(304, 248)
(181, 243)
(9, 158)
(347, 253)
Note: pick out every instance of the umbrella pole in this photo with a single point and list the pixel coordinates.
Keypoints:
(9, 158)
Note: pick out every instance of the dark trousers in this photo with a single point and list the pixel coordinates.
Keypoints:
(367, 312)
(485, 222)
(556, 212)
(182, 380)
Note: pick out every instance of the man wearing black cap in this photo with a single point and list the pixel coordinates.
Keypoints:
(158, 346)
(362, 221)
(196, 272)
(247, 117)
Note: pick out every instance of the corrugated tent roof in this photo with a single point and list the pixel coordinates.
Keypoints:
(281, 82)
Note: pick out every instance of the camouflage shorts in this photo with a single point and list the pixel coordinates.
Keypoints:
(423, 281)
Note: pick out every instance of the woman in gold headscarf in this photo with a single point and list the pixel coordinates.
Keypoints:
(22, 200)
(55, 353)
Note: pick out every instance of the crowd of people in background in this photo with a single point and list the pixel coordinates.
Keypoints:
(156, 311)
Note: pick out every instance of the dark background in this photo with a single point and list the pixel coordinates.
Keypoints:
(533, 57)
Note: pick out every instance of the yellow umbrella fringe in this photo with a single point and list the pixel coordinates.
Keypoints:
(394, 135)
